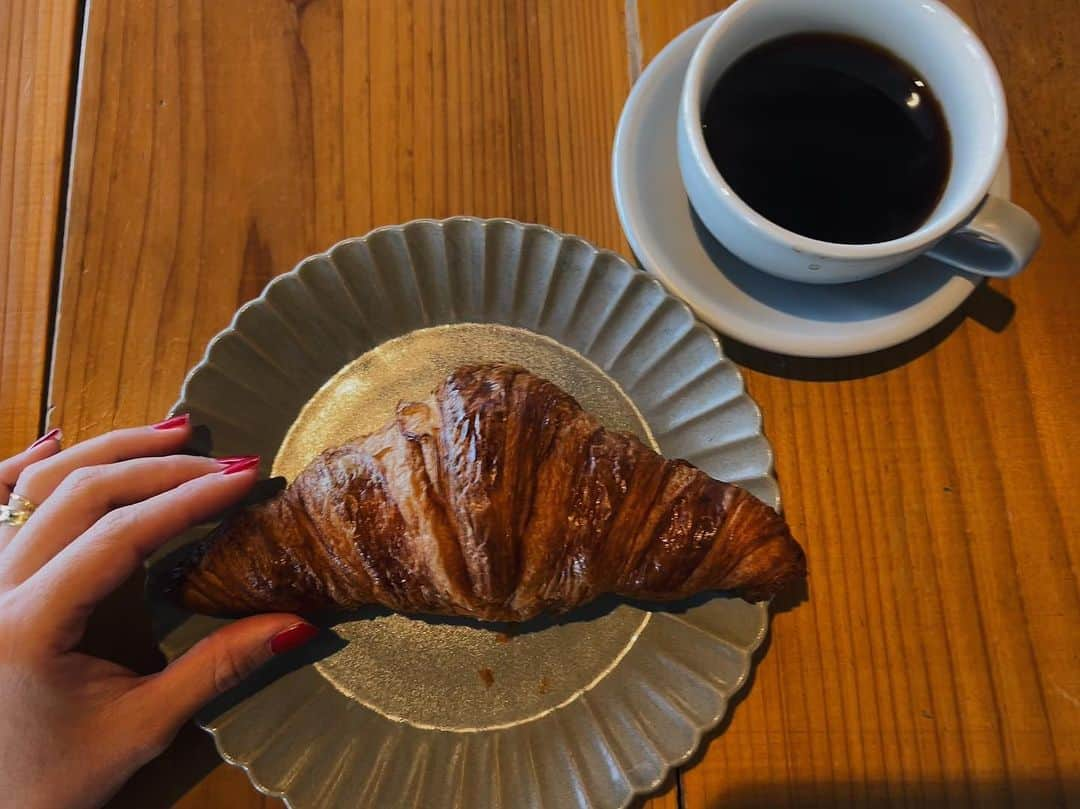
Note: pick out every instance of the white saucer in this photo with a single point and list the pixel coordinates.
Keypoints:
(806, 320)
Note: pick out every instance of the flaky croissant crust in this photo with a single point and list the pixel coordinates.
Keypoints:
(497, 498)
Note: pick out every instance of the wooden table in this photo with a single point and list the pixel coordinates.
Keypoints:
(212, 144)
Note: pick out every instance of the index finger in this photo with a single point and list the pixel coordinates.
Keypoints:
(40, 479)
(85, 497)
(66, 589)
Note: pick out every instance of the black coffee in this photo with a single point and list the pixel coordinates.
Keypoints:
(831, 137)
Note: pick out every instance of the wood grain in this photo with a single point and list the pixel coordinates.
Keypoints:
(937, 660)
(37, 40)
(257, 133)
(220, 142)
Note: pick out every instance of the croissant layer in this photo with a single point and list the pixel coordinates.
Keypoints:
(498, 498)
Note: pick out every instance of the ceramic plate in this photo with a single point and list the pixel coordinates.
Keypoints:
(390, 710)
(807, 320)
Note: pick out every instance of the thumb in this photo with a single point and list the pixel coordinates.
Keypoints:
(217, 663)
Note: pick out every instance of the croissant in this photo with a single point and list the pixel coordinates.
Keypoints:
(497, 498)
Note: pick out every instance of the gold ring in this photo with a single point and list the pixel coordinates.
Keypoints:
(17, 511)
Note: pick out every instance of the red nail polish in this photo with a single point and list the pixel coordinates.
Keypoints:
(234, 465)
(288, 639)
(174, 422)
(53, 435)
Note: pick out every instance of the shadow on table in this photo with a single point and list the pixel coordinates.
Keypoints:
(119, 630)
(926, 795)
(165, 780)
(986, 306)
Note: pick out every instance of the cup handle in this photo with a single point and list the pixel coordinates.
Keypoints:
(998, 240)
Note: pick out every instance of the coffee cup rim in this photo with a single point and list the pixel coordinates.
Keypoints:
(928, 233)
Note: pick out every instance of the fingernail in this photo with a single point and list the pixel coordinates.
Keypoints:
(174, 422)
(242, 464)
(53, 435)
(288, 639)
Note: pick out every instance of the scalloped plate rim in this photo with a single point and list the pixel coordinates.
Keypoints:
(750, 651)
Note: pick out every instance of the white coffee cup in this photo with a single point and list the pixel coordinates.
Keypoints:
(967, 229)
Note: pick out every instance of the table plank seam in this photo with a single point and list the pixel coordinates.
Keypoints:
(82, 9)
(633, 41)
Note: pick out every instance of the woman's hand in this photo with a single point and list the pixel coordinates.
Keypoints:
(73, 728)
